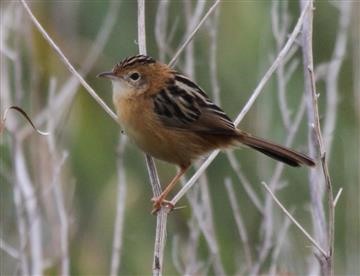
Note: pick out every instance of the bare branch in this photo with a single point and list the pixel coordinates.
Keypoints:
(160, 240)
(22, 231)
(141, 27)
(63, 218)
(279, 243)
(337, 196)
(32, 211)
(68, 64)
(192, 20)
(317, 140)
(234, 163)
(268, 222)
(161, 219)
(175, 249)
(213, 33)
(274, 65)
(298, 225)
(202, 210)
(280, 26)
(333, 71)
(192, 34)
(161, 28)
(120, 209)
(239, 222)
(8, 249)
(68, 89)
(201, 205)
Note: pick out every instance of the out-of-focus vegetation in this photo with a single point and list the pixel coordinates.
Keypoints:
(246, 48)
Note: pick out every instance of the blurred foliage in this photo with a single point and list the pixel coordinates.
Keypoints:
(245, 50)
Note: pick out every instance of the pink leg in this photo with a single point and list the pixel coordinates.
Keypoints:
(161, 198)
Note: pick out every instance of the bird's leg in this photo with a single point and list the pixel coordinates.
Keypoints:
(158, 201)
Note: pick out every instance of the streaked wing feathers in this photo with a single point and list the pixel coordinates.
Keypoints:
(185, 106)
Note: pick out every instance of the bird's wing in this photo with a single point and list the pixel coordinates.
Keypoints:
(185, 106)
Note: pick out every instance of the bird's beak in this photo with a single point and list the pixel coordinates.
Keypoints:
(107, 75)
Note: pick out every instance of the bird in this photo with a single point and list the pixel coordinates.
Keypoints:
(168, 116)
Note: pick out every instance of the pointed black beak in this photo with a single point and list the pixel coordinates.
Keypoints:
(107, 75)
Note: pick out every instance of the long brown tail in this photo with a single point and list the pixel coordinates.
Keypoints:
(280, 153)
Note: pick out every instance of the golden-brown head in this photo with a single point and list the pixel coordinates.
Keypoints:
(137, 75)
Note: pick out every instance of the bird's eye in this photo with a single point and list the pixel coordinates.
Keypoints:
(135, 76)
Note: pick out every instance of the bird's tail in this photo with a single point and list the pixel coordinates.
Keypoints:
(280, 153)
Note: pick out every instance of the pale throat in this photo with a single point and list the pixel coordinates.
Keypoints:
(121, 90)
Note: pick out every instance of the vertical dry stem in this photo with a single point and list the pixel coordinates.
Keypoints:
(239, 222)
(316, 141)
(161, 218)
(120, 209)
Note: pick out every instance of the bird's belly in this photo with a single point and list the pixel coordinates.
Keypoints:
(167, 149)
(149, 135)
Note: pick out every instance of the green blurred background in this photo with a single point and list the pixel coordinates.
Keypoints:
(245, 50)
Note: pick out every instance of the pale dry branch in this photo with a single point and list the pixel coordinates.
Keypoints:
(161, 218)
(282, 54)
(22, 231)
(234, 163)
(337, 196)
(68, 90)
(213, 30)
(280, 240)
(9, 249)
(201, 214)
(333, 72)
(63, 217)
(192, 20)
(280, 27)
(315, 181)
(268, 223)
(120, 209)
(141, 27)
(23, 266)
(58, 194)
(160, 240)
(324, 165)
(192, 34)
(298, 225)
(202, 209)
(175, 256)
(316, 138)
(161, 25)
(26, 188)
(65, 60)
(192, 265)
(239, 222)
(201, 205)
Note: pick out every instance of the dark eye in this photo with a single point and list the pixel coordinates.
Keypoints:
(135, 76)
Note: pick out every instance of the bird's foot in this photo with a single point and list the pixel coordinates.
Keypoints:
(158, 202)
